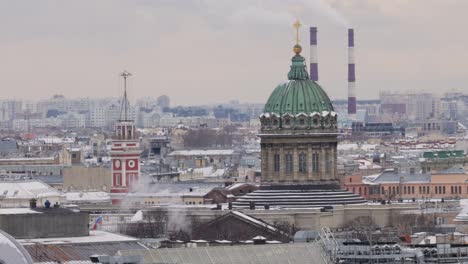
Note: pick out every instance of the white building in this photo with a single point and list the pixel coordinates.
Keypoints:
(19, 193)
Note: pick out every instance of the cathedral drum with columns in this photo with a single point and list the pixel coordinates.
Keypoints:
(298, 145)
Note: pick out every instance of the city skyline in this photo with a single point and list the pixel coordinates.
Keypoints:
(188, 50)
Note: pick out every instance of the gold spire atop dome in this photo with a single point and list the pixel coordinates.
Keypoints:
(297, 48)
(297, 25)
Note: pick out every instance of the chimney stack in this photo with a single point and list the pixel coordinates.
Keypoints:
(313, 54)
(351, 74)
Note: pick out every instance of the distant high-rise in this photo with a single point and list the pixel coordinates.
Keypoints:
(163, 101)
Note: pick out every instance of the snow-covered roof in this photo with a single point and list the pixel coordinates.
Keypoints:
(254, 220)
(87, 197)
(27, 190)
(9, 211)
(209, 152)
(95, 236)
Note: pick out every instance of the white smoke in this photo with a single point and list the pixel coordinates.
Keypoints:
(272, 12)
(325, 8)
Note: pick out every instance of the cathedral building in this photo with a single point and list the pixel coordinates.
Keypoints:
(298, 145)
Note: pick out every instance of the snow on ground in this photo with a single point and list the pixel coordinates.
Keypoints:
(87, 197)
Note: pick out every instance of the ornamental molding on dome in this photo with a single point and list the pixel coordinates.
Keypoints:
(315, 120)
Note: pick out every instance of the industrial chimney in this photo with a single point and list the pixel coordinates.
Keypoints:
(313, 54)
(351, 74)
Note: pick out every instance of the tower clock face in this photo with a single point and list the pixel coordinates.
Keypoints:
(131, 164)
(117, 164)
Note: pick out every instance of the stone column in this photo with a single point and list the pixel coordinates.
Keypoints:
(295, 164)
(323, 175)
(309, 163)
(265, 162)
(271, 162)
(282, 171)
(334, 161)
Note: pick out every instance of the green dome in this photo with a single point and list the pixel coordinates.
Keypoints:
(298, 94)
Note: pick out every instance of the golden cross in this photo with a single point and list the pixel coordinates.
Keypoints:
(297, 25)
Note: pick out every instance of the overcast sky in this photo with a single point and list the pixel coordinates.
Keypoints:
(210, 51)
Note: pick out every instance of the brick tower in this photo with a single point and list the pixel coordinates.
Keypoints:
(125, 152)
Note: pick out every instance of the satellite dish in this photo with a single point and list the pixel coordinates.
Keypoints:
(12, 252)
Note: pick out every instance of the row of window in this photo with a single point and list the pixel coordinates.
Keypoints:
(410, 190)
(288, 163)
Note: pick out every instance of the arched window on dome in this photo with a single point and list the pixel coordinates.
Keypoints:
(264, 121)
(287, 120)
(327, 120)
(315, 120)
(301, 120)
(274, 120)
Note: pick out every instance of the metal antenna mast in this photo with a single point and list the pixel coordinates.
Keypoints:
(125, 104)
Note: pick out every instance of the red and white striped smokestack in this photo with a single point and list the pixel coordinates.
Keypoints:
(351, 74)
(313, 54)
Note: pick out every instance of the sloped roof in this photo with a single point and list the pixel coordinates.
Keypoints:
(27, 189)
(301, 253)
(453, 170)
(396, 177)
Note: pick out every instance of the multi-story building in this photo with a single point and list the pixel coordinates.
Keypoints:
(395, 185)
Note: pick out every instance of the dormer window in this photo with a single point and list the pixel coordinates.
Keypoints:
(326, 122)
(287, 122)
(302, 122)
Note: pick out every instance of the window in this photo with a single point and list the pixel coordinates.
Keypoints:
(412, 189)
(420, 190)
(301, 121)
(404, 189)
(443, 190)
(315, 162)
(350, 179)
(302, 162)
(277, 163)
(459, 189)
(287, 122)
(383, 190)
(316, 122)
(289, 162)
(451, 189)
(436, 190)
